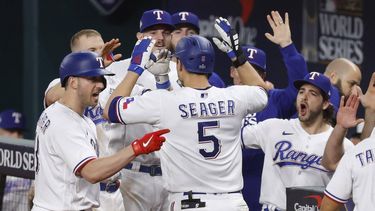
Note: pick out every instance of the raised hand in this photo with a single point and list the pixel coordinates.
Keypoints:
(368, 99)
(158, 65)
(281, 30)
(230, 41)
(141, 55)
(346, 115)
(149, 143)
(106, 52)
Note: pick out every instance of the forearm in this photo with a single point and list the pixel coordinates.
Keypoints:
(249, 76)
(329, 205)
(123, 89)
(54, 94)
(369, 123)
(294, 62)
(103, 168)
(334, 149)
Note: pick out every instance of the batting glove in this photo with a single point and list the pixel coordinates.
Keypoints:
(149, 143)
(159, 67)
(141, 55)
(230, 42)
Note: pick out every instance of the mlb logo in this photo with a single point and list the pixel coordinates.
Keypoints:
(204, 95)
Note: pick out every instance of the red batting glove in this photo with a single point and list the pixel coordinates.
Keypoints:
(149, 143)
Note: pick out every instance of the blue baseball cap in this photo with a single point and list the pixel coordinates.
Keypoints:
(255, 56)
(318, 80)
(186, 18)
(155, 17)
(12, 119)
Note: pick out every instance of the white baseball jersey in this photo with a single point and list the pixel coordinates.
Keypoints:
(64, 143)
(354, 176)
(292, 157)
(135, 131)
(201, 152)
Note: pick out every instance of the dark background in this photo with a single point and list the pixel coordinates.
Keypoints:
(36, 34)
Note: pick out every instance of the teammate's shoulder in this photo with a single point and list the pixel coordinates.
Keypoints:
(119, 65)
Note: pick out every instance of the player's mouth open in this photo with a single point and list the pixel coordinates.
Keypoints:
(303, 109)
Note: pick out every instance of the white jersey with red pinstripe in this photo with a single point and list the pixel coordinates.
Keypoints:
(65, 141)
(354, 176)
(201, 152)
(292, 157)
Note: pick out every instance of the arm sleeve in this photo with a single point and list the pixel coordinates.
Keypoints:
(339, 188)
(296, 69)
(137, 109)
(74, 148)
(252, 136)
(255, 97)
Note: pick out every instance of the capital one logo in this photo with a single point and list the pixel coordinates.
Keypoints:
(100, 60)
(251, 52)
(158, 14)
(313, 75)
(17, 117)
(183, 15)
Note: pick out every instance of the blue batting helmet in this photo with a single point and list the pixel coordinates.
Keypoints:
(196, 54)
(83, 63)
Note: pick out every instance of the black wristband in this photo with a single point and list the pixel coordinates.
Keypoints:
(241, 59)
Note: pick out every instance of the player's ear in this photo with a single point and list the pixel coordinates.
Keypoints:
(139, 35)
(73, 82)
(326, 104)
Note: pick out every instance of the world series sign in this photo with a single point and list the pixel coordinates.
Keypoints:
(17, 157)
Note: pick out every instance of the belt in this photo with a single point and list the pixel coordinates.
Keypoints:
(192, 193)
(153, 170)
(110, 187)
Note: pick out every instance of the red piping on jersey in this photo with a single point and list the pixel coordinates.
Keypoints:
(79, 167)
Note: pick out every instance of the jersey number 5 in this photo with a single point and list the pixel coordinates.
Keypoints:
(205, 139)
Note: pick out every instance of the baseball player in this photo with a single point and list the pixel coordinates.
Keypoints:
(83, 40)
(344, 76)
(347, 119)
(281, 102)
(202, 169)
(67, 163)
(294, 148)
(186, 24)
(142, 184)
(12, 124)
(89, 39)
(353, 178)
(354, 174)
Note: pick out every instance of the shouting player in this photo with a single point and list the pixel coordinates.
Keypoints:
(66, 153)
(201, 169)
(294, 148)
